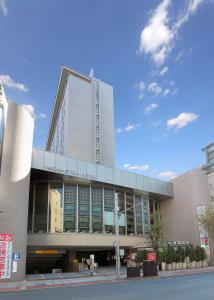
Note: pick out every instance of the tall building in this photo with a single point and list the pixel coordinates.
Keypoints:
(64, 198)
(82, 123)
(193, 193)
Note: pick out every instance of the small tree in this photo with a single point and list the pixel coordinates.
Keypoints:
(206, 220)
(180, 254)
(170, 254)
(141, 256)
(190, 252)
(156, 233)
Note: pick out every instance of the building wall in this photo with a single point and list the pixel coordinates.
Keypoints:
(180, 213)
(14, 180)
(83, 240)
(85, 124)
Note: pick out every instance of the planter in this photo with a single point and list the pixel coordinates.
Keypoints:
(184, 265)
(200, 264)
(163, 266)
(149, 268)
(174, 266)
(193, 264)
(177, 266)
(188, 265)
(197, 264)
(133, 272)
(169, 267)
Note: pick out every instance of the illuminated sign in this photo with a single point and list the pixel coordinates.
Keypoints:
(48, 251)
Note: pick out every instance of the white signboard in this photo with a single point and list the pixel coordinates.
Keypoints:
(15, 263)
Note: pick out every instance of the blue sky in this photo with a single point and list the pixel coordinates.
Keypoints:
(158, 55)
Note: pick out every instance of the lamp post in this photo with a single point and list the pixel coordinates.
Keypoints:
(117, 233)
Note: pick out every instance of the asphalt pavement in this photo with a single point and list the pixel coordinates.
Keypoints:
(187, 287)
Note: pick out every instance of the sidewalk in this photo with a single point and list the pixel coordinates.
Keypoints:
(30, 284)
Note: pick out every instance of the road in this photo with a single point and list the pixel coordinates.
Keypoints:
(197, 287)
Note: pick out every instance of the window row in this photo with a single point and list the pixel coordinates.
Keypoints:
(70, 209)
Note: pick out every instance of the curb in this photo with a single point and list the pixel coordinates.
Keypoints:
(49, 284)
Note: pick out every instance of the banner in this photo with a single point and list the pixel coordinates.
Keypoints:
(5, 255)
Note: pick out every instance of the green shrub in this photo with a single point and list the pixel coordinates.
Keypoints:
(141, 256)
(180, 254)
(170, 254)
(190, 252)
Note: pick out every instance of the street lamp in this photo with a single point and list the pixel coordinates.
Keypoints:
(117, 233)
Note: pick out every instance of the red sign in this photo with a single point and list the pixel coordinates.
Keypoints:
(5, 255)
(152, 256)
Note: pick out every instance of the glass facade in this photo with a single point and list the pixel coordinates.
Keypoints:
(138, 214)
(40, 207)
(97, 209)
(70, 200)
(130, 213)
(57, 207)
(84, 208)
(146, 215)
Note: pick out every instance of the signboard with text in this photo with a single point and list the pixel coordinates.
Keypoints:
(5, 255)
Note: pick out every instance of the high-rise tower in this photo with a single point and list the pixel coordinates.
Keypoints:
(82, 124)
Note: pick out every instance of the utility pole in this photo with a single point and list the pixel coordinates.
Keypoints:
(117, 233)
(117, 242)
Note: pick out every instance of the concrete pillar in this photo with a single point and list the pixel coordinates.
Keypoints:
(14, 181)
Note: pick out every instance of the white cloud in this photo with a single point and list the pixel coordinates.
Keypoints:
(166, 92)
(41, 116)
(10, 83)
(151, 107)
(31, 109)
(142, 87)
(167, 174)
(3, 7)
(154, 88)
(128, 128)
(163, 71)
(188, 11)
(182, 120)
(158, 36)
(130, 167)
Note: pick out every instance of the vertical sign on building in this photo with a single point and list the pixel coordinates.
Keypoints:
(5, 255)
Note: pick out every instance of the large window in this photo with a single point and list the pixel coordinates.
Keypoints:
(121, 205)
(109, 208)
(70, 197)
(97, 209)
(84, 208)
(146, 215)
(41, 207)
(130, 213)
(1, 131)
(55, 208)
(109, 200)
(138, 214)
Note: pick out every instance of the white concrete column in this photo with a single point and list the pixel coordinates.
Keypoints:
(15, 180)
